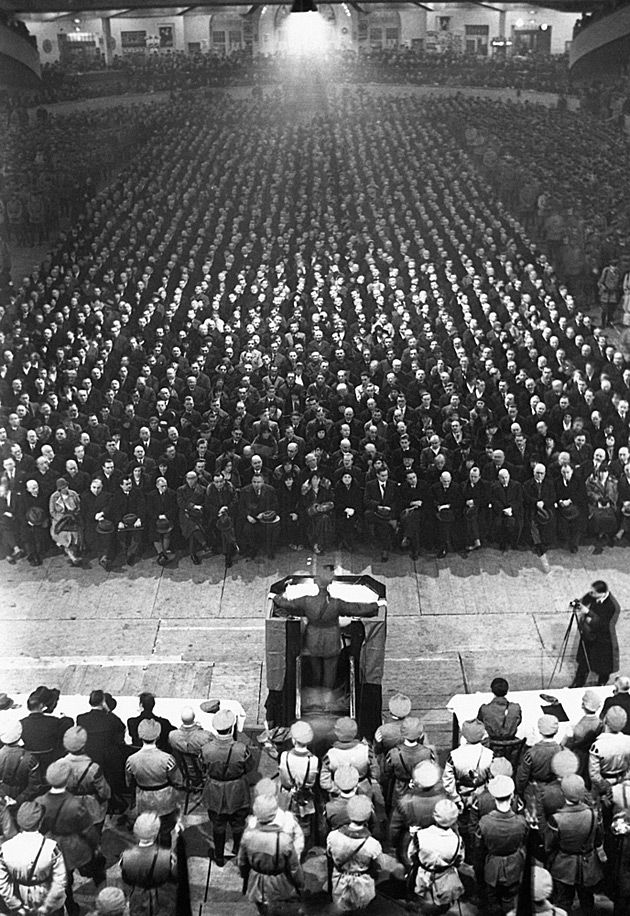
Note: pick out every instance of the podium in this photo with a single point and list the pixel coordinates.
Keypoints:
(358, 692)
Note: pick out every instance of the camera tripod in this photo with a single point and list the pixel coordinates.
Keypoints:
(565, 643)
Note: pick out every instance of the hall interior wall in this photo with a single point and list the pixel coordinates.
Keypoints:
(194, 27)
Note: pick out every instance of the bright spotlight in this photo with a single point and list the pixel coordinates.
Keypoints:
(303, 6)
(307, 34)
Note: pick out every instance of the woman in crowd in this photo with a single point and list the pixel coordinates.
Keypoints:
(64, 508)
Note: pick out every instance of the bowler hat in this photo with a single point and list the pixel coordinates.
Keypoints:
(105, 526)
(129, 521)
(570, 512)
(269, 517)
(6, 702)
(163, 526)
(36, 517)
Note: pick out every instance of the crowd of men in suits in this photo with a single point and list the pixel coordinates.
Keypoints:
(500, 821)
(240, 379)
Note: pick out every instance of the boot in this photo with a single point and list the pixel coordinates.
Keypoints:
(219, 849)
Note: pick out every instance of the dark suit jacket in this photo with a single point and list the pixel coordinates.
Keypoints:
(372, 496)
(106, 744)
(166, 728)
(43, 736)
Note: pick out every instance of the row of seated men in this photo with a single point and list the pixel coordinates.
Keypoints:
(436, 509)
(360, 813)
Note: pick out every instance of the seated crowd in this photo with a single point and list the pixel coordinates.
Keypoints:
(335, 813)
(252, 357)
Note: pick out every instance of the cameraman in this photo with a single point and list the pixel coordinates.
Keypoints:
(595, 611)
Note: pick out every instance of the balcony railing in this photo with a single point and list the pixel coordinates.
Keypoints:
(19, 48)
(595, 37)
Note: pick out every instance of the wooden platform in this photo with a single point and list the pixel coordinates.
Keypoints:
(186, 631)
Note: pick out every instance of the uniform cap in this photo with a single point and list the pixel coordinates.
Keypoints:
(473, 731)
(146, 826)
(224, 720)
(590, 701)
(111, 901)
(542, 884)
(11, 732)
(616, 719)
(149, 730)
(501, 766)
(265, 786)
(346, 778)
(426, 774)
(359, 809)
(573, 788)
(265, 808)
(445, 813)
(58, 773)
(400, 705)
(30, 815)
(75, 739)
(565, 764)
(301, 732)
(346, 729)
(501, 787)
(548, 726)
(412, 729)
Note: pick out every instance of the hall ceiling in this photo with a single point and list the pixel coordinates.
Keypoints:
(95, 7)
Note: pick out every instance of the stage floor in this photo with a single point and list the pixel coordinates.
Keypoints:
(188, 631)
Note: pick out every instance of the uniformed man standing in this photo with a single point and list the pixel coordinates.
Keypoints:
(68, 821)
(354, 855)
(534, 770)
(349, 751)
(227, 763)
(416, 806)
(585, 731)
(388, 734)
(401, 760)
(148, 870)
(542, 889)
(269, 864)
(20, 777)
(298, 775)
(466, 771)
(86, 778)
(609, 757)
(284, 819)
(32, 870)
(155, 776)
(571, 838)
(501, 838)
